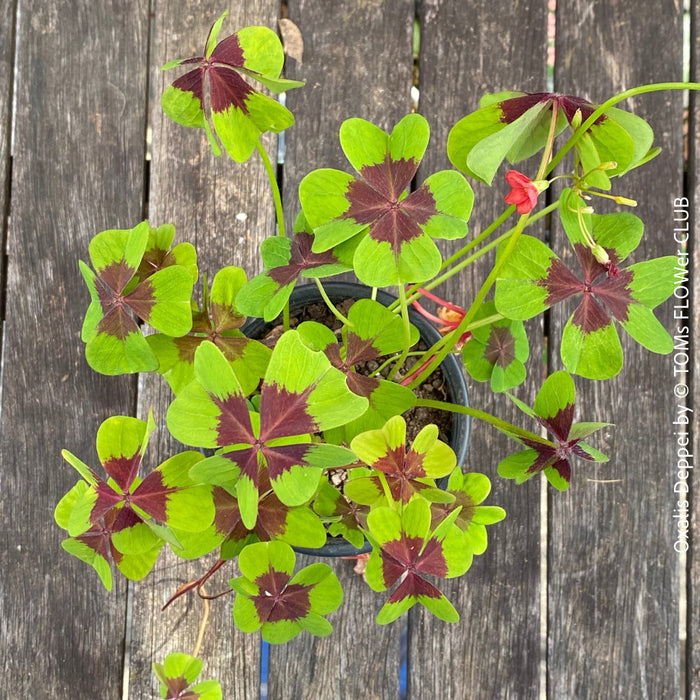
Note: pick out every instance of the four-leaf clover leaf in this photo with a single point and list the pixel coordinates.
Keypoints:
(238, 112)
(400, 227)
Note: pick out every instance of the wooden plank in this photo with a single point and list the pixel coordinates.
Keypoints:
(613, 584)
(497, 640)
(357, 63)
(692, 620)
(7, 32)
(77, 170)
(225, 209)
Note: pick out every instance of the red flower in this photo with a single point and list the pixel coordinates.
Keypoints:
(523, 192)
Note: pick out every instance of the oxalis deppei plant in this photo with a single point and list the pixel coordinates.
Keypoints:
(277, 420)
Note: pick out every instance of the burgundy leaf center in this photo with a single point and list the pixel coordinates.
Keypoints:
(376, 201)
(279, 600)
(301, 258)
(601, 300)
(500, 348)
(515, 107)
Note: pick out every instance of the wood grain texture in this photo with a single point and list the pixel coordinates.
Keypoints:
(613, 573)
(692, 620)
(225, 209)
(79, 141)
(357, 63)
(7, 44)
(494, 651)
(88, 83)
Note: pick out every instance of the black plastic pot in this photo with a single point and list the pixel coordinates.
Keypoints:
(451, 368)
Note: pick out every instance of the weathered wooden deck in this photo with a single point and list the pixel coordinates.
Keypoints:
(581, 595)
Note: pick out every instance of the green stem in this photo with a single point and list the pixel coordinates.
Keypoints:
(406, 330)
(443, 347)
(387, 491)
(485, 321)
(415, 295)
(276, 196)
(483, 235)
(279, 212)
(393, 358)
(331, 306)
(486, 417)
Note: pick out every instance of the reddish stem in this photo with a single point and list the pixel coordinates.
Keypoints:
(198, 583)
(442, 302)
(431, 317)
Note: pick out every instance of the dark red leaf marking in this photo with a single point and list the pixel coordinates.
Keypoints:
(151, 495)
(515, 107)
(118, 322)
(419, 205)
(393, 461)
(281, 459)
(441, 510)
(177, 690)
(125, 518)
(232, 348)
(601, 300)
(360, 349)
(97, 538)
(616, 293)
(226, 318)
(234, 426)
(375, 201)
(107, 498)
(186, 347)
(193, 82)
(432, 560)
(154, 260)
(203, 329)
(589, 315)
(395, 228)
(116, 275)
(229, 51)
(227, 89)
(284, 413)
(560, 283)
(123, 469)
(247, 461)
(360, 384)
(560, 424)
(227, 515)
(500, 347)
(272, 517)
(591, 268)
(404, 555)
(271, 522)
(564, 468)
(142, 300)
(278, 599)
(301, 258)
(402, 469)
(366, 204)
(391, 177)
(414, 586)
(546, 454)
(117, 319)
(398, 557)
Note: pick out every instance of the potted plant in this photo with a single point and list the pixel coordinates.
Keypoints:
(300, 436)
